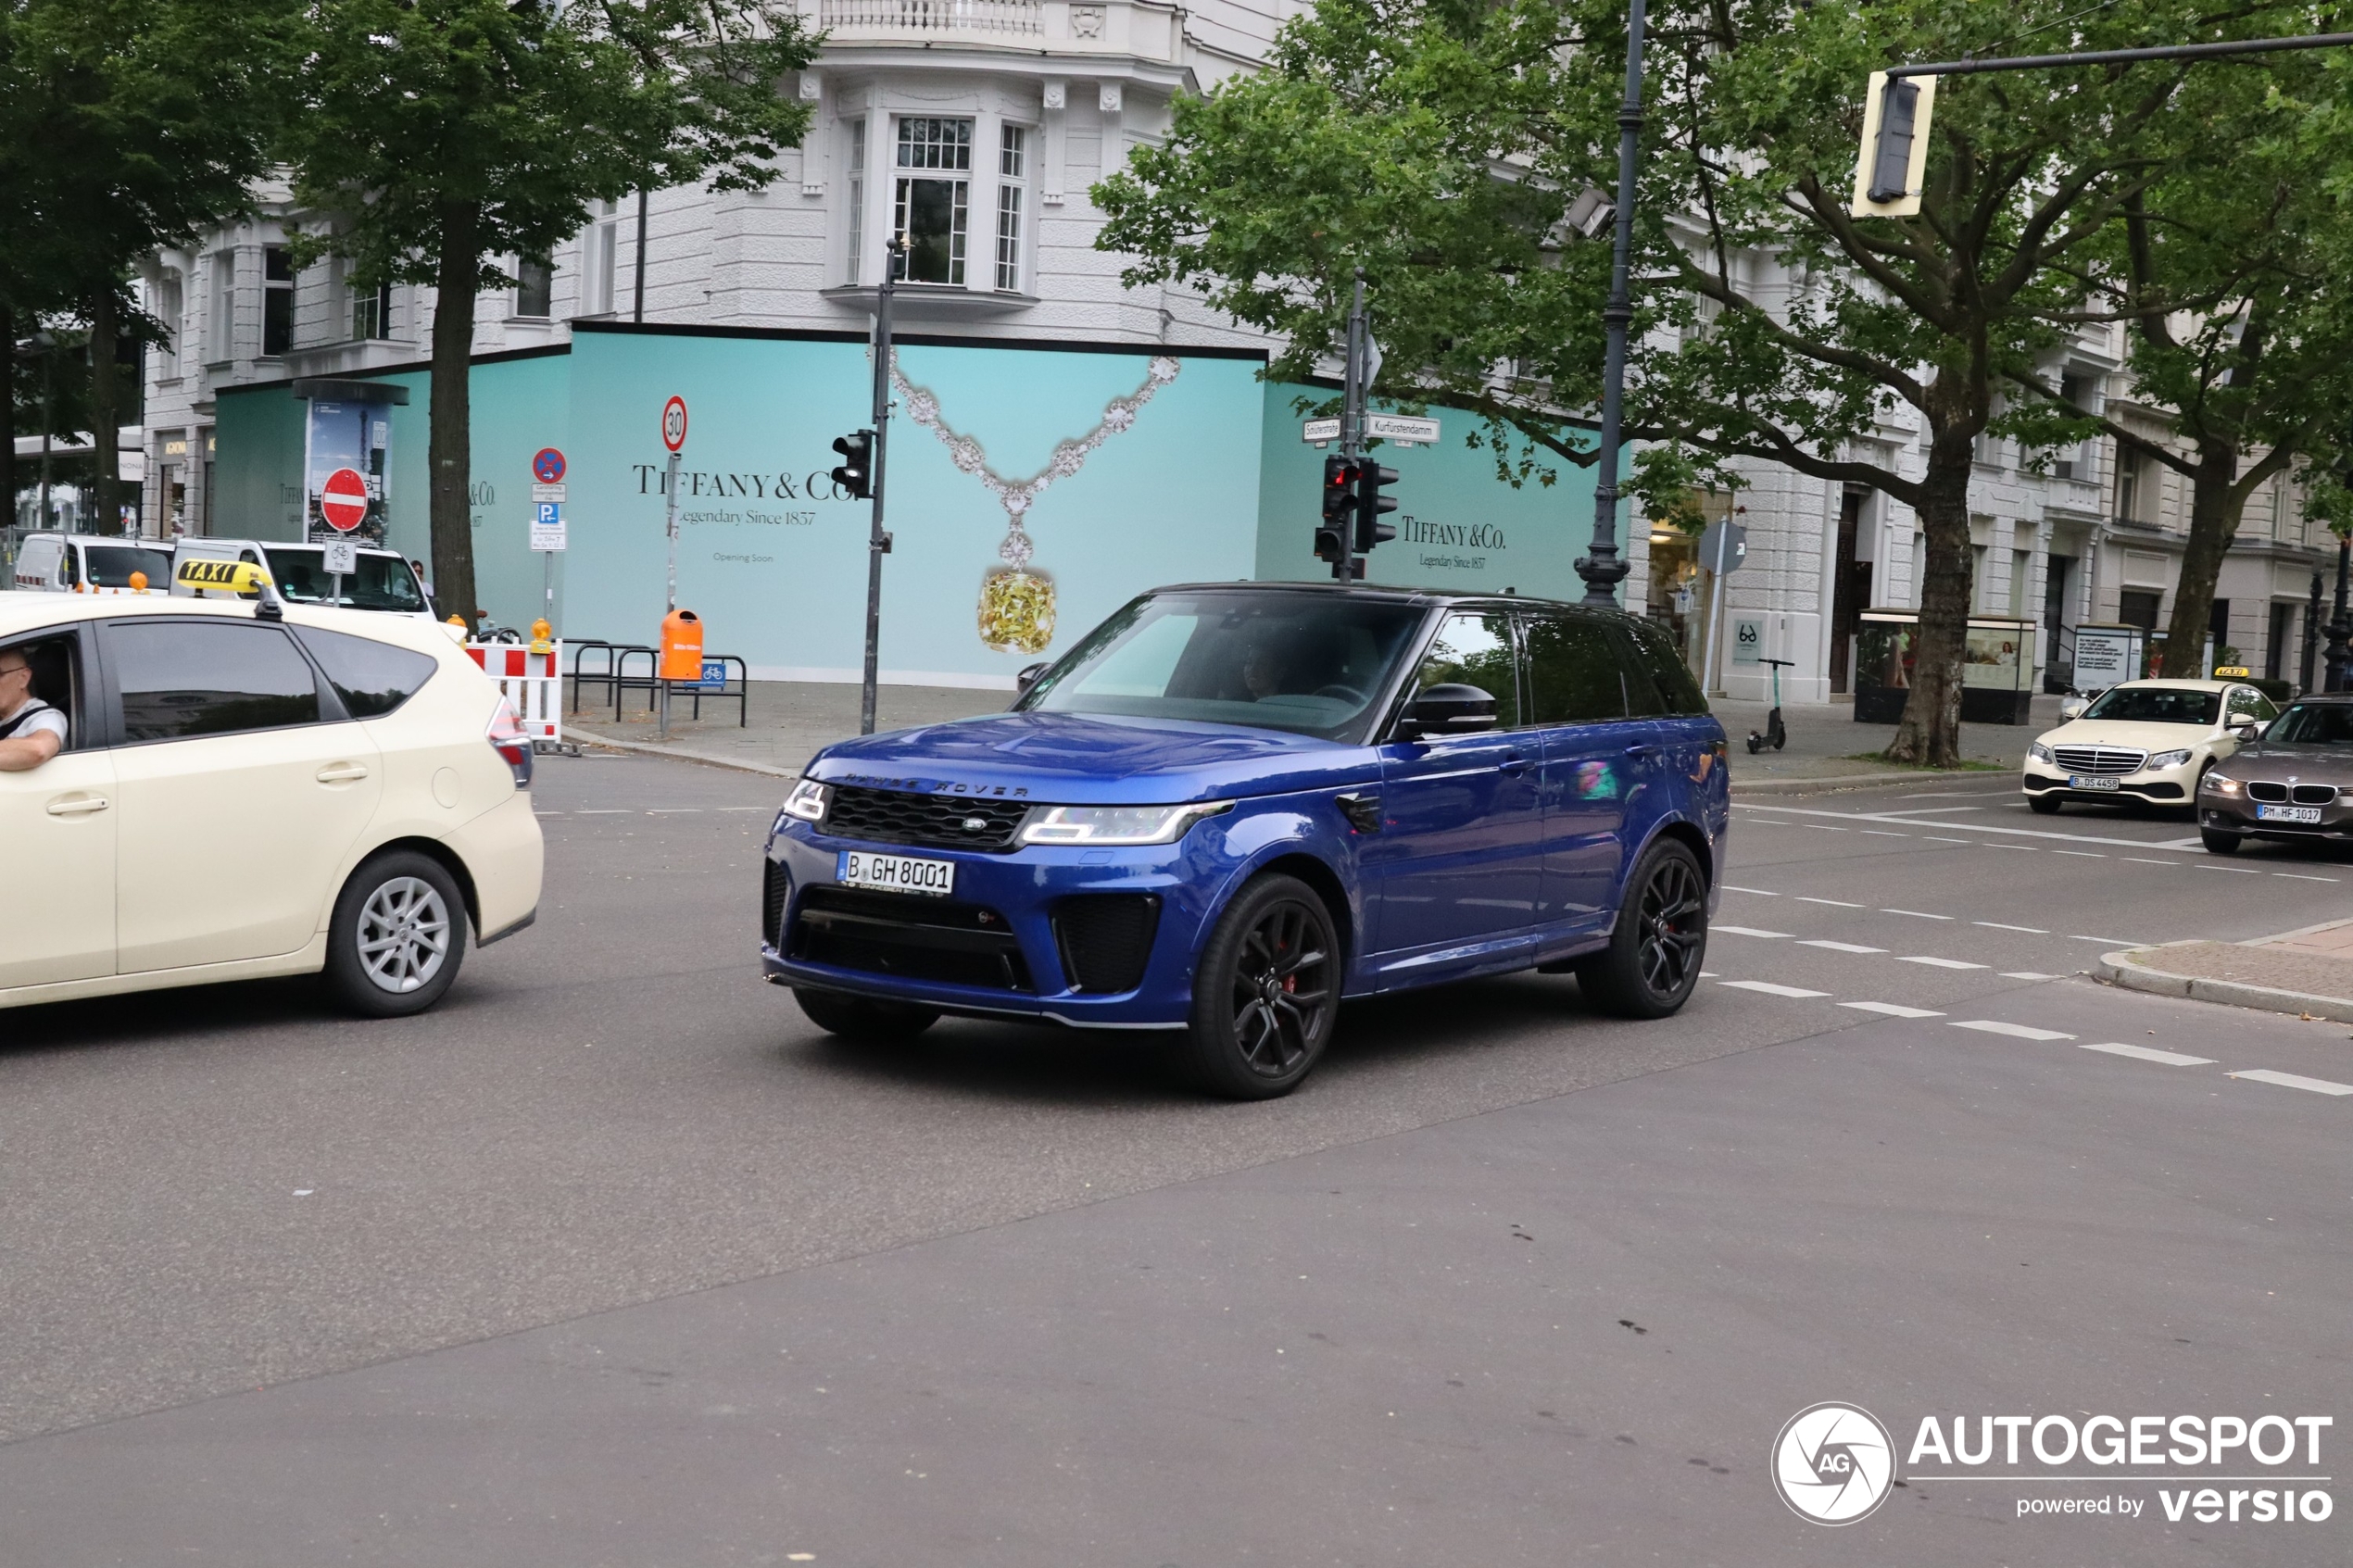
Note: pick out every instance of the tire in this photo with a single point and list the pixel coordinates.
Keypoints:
(397, 936)
(1266, 992)
(866, 1020)
(2046, 804)
(2218, 842)
(1651, 963)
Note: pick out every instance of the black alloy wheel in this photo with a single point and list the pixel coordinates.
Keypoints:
(1651, 963)
(1266, 995)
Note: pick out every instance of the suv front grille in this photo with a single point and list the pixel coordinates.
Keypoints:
(935, 821)
(910, 935)
(2099, 758)
(1106, 939)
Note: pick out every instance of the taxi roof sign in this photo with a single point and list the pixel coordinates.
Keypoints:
(216, 574)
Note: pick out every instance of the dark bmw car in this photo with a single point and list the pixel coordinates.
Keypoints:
(1231, 806)
(2293, 783)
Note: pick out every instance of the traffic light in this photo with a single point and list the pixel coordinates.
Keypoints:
(1894, 161)
(856, 473)
(1332, 534)
(1370, 503)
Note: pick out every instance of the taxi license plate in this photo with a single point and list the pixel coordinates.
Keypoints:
(2289, 814)
(2090, 780)
(896, 873)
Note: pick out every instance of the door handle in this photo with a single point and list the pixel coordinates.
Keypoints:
(76, 805)
(341, 772)
(1514, 765)
(1644, 750)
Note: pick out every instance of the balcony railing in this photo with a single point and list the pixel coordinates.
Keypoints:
(924, 17)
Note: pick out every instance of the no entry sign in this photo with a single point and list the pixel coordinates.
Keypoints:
(344, 501)
(547, 468)
(673, 423)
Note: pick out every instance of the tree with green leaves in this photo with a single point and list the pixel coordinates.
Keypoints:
(1453, 150)
(125, 126)
(438, 137)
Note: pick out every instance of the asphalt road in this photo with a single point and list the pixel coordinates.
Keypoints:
(613, 1259)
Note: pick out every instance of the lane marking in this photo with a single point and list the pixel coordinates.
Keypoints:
(2180, 843)
(606, 812)
(1746, 931)
(2084, 854)
(1933, 839)
(1997, 925)
(743, 807)
(1882, 833)
(1842, 946)
(2147, 1053)
(2292, 876)
(1760, 892)
(673, 811)
(1834, 903)
(1821, 828)
(1934, 811)
(2110, 941)
(1772, 990)
(2235, 871)
(2029, 974)
(2019, 1031)
(1893, 1010)
(547, 814)
(1707, 975)
(1985, 827)
(2143, 860)
(1916, 914)
(1944, 963)
(2026, 848)
(2294, 1081)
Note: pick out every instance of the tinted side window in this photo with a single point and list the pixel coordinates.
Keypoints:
(1476, 650)
(1572, 672)
(1671, 682)
(373, 678)
(180, 678)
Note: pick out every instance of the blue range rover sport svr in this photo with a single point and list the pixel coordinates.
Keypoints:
(1232, 806)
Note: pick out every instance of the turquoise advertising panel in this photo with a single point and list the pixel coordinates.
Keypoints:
(1031, 492)
(1458, 525)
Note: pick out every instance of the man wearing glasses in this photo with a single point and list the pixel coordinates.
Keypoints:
(31, 730)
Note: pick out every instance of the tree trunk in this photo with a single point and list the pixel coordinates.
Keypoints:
(105, 414)
(2213, 519)
(450, 449)
(1930, 733)
(8, 416)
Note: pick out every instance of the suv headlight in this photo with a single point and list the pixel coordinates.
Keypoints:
(808, 801)
(2167, 759)
(2042, 754)
(1116, 824)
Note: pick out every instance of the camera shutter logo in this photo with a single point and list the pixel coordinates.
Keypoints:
(1833, 1463)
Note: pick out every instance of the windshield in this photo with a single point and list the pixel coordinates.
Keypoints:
(2157, 704)
(2313, 723)
(111, 566)
(382, 581)
(1309, 663)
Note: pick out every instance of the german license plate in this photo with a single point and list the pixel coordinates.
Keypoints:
(2289, 814)
(896, 873)
(2090, 780)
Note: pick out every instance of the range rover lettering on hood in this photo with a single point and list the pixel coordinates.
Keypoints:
(928, 786)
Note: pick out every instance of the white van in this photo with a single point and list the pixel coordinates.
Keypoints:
(89, 563)
(384, 583)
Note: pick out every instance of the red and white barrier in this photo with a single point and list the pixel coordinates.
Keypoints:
(531, 681)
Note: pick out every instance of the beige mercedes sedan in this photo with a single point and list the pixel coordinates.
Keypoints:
(2146, 741)
(246, 787)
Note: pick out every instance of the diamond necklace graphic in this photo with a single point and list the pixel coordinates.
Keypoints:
(1017, 611)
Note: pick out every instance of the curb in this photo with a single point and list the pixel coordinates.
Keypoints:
(587, 737)
(1798, 786)
(2118, 968)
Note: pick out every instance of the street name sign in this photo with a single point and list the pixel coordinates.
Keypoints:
(1406, 430)
(1320, 432)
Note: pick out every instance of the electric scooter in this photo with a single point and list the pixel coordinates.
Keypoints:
(1774, 735)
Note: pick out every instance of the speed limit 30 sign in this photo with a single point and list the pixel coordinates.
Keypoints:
(673, 423)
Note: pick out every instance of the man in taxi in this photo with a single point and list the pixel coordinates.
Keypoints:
(31, 730)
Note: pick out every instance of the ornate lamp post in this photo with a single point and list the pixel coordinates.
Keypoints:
(1601, 567)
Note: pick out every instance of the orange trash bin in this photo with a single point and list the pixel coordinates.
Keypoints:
(681, 645)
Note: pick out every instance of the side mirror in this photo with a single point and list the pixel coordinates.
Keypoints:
(1449, 709)
(2246, 726)
(2072, 708)
(1030, 673)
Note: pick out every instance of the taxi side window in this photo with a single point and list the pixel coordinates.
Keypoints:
(373, 678)
(180, 679)
(1476, 650)
(56, 663)
(1572, 672)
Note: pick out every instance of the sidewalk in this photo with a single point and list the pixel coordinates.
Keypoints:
(2309, 972)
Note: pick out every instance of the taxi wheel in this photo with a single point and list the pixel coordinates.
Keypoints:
(1652, 962)
(864, 1019)
(397, 936)
(2046, 804)
(1267, 992)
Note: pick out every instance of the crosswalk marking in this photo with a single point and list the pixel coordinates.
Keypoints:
(2015, 1031)
(2147, 1053)
(1772, 990)
(2295, 1081)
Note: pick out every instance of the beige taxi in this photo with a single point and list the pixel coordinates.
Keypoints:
(249, 788)
(2144, 740)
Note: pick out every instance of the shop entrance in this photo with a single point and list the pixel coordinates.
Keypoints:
(1850, 588)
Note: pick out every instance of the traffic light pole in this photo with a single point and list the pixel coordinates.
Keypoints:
(1352, 421)
(1600, 566)
(878, 542)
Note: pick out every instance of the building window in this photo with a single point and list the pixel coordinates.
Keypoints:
(171, 305)
(857, 161)
(2135, 486)
(370, 311)
(1011, 167)
(277, 300)
(931, 212)
(600, 244)
(535, 289)
(221, 326)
